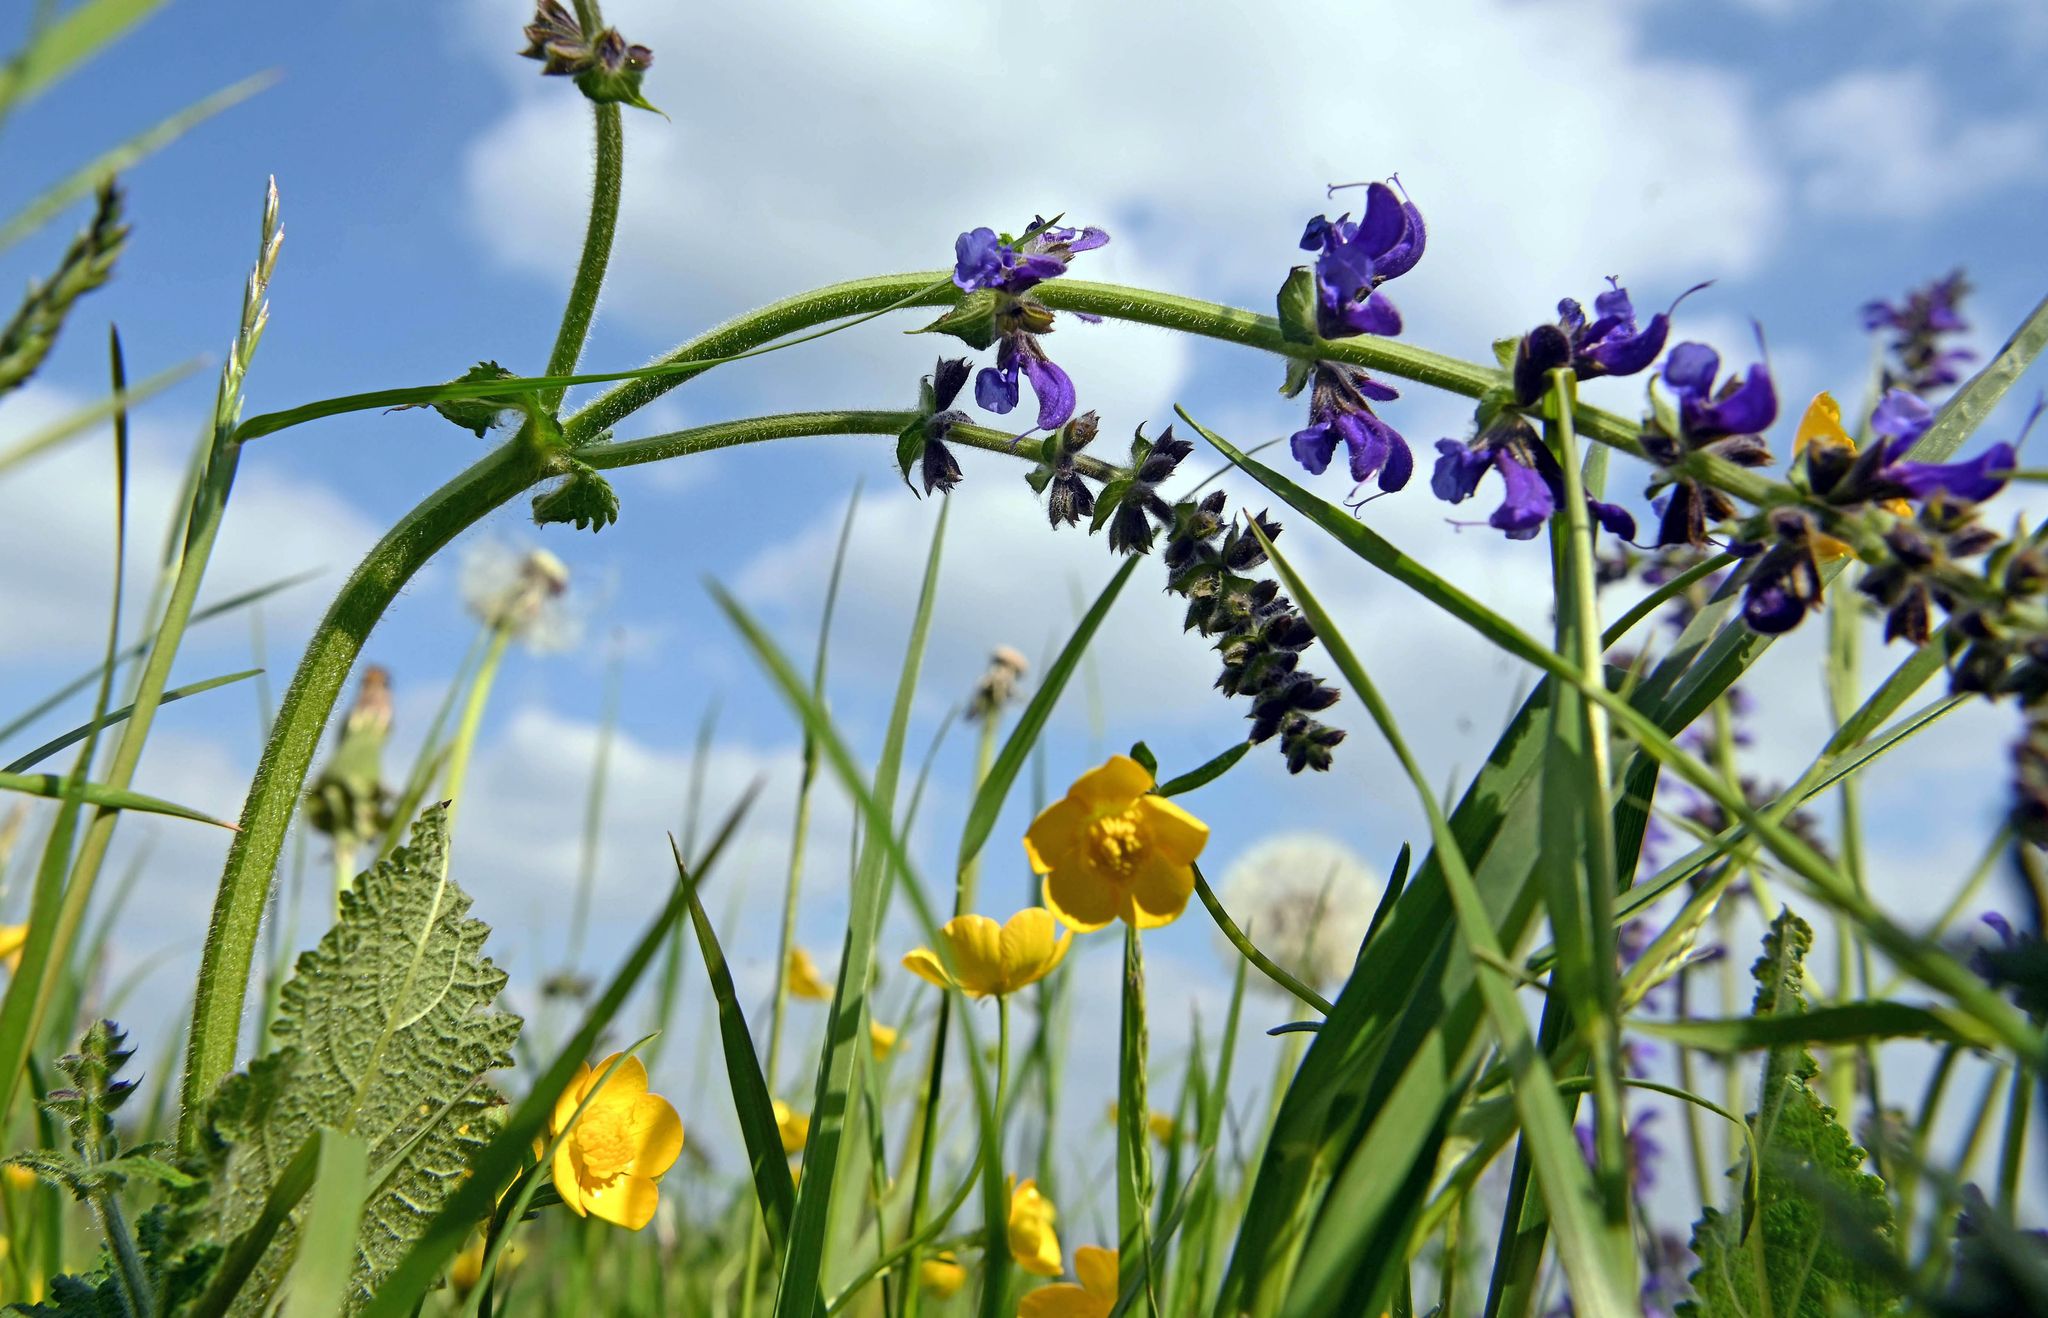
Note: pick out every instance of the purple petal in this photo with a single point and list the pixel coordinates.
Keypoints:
(1999, 924)
(1373, 389)
(1366, 441)
(1571, 317)
(1771, 609)
(1375, 315)
(1902, 418)
(1613, 518)
(1087, 240)
(1528, 504)
(1034, 269)
(1055, 390)
(995, 389)
(1691, 368)
(1402, 256)
(1625, 354)
(1314, 445)
(1750, 409)
(977, 260)
(1320, 233)
(1458, 469)
(1614, 304)
(1383, 222)
(1400, 460)
(1972, 482)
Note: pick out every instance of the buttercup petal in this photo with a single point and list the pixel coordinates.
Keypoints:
(1033, 1242)
(1176, 835)
(1082, 903)
(1158, 893)
(1055, 834)
(659, 1133)
(626, 1200)
(565, 1106)
(1096, 1269)
(924, 963)
(977, 946)
(1065, 1300)
(1822, 424)
(1032, 944)
(567, 1183)
(626, 1083)
(1117, 782)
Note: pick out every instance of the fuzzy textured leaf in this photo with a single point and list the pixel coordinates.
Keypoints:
(1817, 1212)
(386, 1032)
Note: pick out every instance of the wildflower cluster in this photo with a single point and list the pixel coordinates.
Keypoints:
(605, 65)
(1922, 323)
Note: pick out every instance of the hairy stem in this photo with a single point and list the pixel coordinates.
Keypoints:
(597, 250)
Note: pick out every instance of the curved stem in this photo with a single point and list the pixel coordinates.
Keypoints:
(597, 250)
(473, 717)
(309, 700)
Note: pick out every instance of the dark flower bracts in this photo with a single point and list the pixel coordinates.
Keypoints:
(1726, 422)
(1340, 298)
(923, 442)
(997, 273)
(606, 67)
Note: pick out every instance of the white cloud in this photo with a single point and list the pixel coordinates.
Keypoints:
(1888, 145)
(57, 514)
(814, 143)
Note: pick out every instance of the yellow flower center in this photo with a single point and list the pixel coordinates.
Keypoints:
(605, 1139)
(1114, 843)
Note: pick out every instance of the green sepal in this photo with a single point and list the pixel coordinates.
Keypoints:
(1299, 369)
(1504, 351)
(1038, 478)
(1143, 755)
(608, 88)
(910, 445)
(584, 498)
(1662, 409)
(972, 320)
(1492, 404)
(478, 414)
(1105, 503)
(1297, 306)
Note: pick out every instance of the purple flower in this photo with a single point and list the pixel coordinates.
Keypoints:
(1723, 422)
(1611, 343)
(1974, 481)
(1355, 258)
(1785, 584)
(1340, 410)
(1901, 418)
(1643, 1151)
(1533, 483)
(986, 262)
(1921, 362)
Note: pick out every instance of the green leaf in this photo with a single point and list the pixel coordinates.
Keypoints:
(972, 321)
(480, 413)
(112, 717)
(386, 1034)
(1105, 503)
(57, 787)
(584, 498)
(1297, 306)
(63, 42)
(910, 448)
(1967, 408)
(1299, 369)
(1817, 1212)
(1204, 774)
(1847, 1023)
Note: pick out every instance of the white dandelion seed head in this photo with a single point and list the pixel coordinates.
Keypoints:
(521, 590)
(1305, 900)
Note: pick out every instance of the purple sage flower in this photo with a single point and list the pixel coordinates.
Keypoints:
(987, 262)
(1340, 411)
(1902, 419)
(1533, 483)
(1921, 361)
(1355, 258)
(1724, 422)
(1609, 343)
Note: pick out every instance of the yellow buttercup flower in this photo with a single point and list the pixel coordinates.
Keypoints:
(1093, 1298)
(1163, 1127)
(990, 959)
(608, 1162)
(804, 980)
(941, 1275)
(881, 1038)
(468, 1267)
(19, 1179)
(13, 937)
(1109, 851)
(794, 1126)
(1033, 1243)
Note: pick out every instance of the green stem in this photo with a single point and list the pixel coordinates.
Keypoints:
(593, 818)
(597, 251)
(1243, 943)
(1579, 643)
(460, 749)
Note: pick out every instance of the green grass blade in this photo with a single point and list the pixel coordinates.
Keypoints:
(327, 1242)
(1834, 1024)
(1203, 775)
(1969, 405)
(85, 418)
(245, 1251)
(100, 796)
(109, 719)
(988, 801)
(801, 1287)
(752, 1102)
(60, 45)
(80, 182)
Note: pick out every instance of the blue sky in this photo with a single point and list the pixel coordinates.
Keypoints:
(1804, 156)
